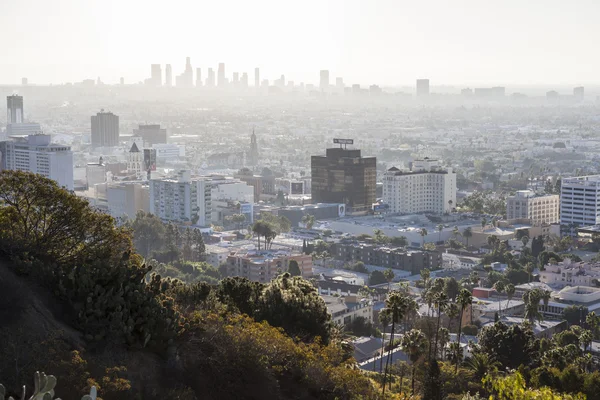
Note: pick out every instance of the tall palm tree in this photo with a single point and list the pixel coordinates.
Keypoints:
(529, 267)
(532, 299)
(499, 287)
(452, 312)
(389, 277)
(467, 233)
(464, 299)
(396, 303)
(483, 223)
(441, 302)
(444, 334)
(423, 232)
(413, 344)
(440, 228)
(455, 232)
(385, 318)
(593, 323)
(481, 364)
(510, 292)
(585, 338)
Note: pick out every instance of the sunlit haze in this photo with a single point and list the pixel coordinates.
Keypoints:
(386, 42)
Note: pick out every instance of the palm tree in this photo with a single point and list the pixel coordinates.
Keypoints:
(499, 287)
(467, 233)
(389, 277)
(455, 353)
(483, 223)
(423, 232)
(452, 312)
(529, 267)
(455, 232)
(441, 302)
(525, 240)
(440, 228)
(413, 344)
(510, 292)
(593, 323)
(450, 205)
(585, 338)
(384, 318)
(464, 299)
(444, 334)
(396, 303)
(481, 364)
(532, 298)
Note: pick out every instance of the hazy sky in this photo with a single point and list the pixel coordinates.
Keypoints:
(389, 42)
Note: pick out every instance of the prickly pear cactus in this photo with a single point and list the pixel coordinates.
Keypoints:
(91, 396)
(43, 387)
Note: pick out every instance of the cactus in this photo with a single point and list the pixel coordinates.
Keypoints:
(91, 396)
(43, 388)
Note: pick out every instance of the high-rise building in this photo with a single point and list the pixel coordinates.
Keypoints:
(210, 81)
(24, 81)
(151, 134)
(36, 153)
(580, 201)
(324, 81)
(343, 176)
(186, 79)
(256, 77)
(253, 154)
(221, 75)
(105, 129)
(426, 188)
(236, 78)
(122, 81)
(168, 76)
(525, 204)
(578, 93)
(244, 80)
(198, 77)
(14, 108)
(181, 199)
(422, 87)
(155, 75)
(339, 83)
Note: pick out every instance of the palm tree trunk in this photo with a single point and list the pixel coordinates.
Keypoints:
(458, 336)
(387, 362)
(413, 379)
(437, 331)
(382, 351)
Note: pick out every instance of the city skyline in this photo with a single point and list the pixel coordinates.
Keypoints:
(387, 43)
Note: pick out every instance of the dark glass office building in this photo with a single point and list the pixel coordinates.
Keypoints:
(343, 176)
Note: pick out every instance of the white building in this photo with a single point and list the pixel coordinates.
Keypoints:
(233, 190)
(36, 153)
(216, 255)
(344, 310)
(569, 273)
(95, 173)
(169, 151)
(425, 188)
(135, 160)
(539, 209)
(181, 199)
(580, 200)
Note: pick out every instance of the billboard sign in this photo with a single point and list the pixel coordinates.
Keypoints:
(343, 141)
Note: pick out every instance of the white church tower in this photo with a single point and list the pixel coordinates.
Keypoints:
(135, 160)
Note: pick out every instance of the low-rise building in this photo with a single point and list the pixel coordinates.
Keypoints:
(264, 265)
(388, 257)
(216, 255)
(344, 310)
(569, 273)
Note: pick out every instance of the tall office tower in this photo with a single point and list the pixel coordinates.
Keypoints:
(198, 77)
(426, 188)
(122, 81)
(253, 154)
(168, 75)
(36, 153)
(221, 75)
(24, 81)
(422, 87)
(236, 78)
(186, 79)
(256, 77)
(580, 201)
(343, 176)
(339, 83)
(151, 134)
(14, 109)
(155, 75)
(578, 93)
(105, 129)
(324, 82)
(539, 209)
(210, 81)
(244, 80)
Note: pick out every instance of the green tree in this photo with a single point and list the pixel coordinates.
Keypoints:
(376, 278)
(451, 288)
(308, 220)
(481, 364)
(399, 241)
(413, 343)
(396, 303)
(423, 232)
(148, 233)
(389, 277)
(467, 233)
(385, 318)
(440, 229)
(511, 345)
(294, 268)
(441, 302)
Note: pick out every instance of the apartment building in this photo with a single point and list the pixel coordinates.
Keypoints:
(181, 199)
(344, 310)
(569, 273)
(264, 265)
(540, 210)
(382, 256)
(425, 188)
(36, 153)
(580, 200)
